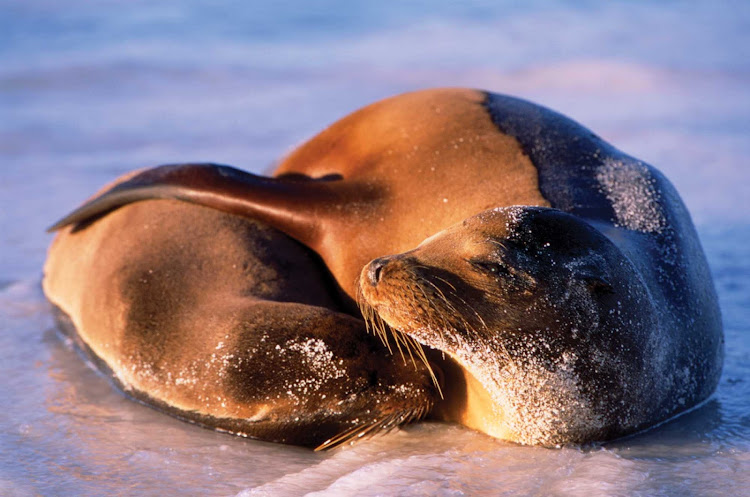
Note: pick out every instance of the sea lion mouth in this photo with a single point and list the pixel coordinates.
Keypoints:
(404, 343)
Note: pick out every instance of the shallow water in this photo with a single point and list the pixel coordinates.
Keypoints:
(89, 91)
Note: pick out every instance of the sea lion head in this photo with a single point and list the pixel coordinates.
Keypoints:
(540, 308)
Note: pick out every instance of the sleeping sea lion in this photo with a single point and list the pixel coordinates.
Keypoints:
(557, 322)
(389, 176)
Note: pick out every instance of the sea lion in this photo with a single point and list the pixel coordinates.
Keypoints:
(389, 176)
(194, 312)
(568, 338)
(377, 182)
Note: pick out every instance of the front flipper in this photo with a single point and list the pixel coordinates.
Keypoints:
(311, 376)
(293, 205)
(375, 426)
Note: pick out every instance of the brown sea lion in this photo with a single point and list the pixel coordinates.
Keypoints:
(377, 182)
(394, 173)
(195, 313)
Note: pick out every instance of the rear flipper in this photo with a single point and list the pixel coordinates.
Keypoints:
(292, 204)
(225, 322)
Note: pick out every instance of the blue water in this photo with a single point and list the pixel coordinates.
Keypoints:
(89, 90)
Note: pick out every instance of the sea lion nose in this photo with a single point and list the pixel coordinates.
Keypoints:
(375, 268)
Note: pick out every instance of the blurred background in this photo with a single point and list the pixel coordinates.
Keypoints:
(92, 89)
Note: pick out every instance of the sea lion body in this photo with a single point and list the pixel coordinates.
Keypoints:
(195, 313)
(385, 178)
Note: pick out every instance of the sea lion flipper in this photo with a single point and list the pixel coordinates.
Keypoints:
(374, 426)
(288, 204)
(178, 181)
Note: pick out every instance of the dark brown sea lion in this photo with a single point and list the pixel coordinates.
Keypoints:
(552, 318)
(383, 179)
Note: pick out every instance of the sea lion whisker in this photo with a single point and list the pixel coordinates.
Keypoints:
(357, 432)
(338, 439)
(437, 289)
(445, 324)
(429, 301)
(400, 337)
(383, 332)
(374, 323)
(446, 282)
(451, 308)
(455, 312)
(418, 282)
(396, 340)
(409, 343)
(471, 308)
(418, 346)
(420, 350)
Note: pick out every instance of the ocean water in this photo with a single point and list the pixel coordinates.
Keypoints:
(90, 90)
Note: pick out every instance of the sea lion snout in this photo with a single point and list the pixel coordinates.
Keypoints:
(377, 271)
(381, 277)
(374, 269)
